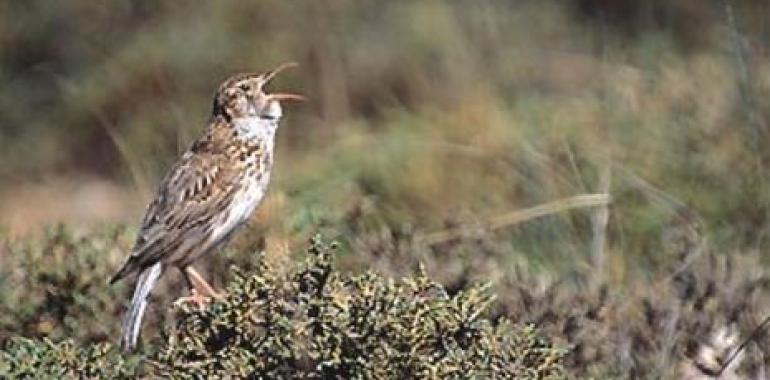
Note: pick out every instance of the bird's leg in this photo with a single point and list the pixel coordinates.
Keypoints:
(201, 291)
(197, 282)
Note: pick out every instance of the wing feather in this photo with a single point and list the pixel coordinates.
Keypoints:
(197, 190)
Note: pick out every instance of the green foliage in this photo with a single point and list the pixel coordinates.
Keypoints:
(305, 322)
(23, 358)
(56, 286)
(280, 318)
(316, 323)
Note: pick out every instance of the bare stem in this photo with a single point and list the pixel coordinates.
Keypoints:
(519, 216)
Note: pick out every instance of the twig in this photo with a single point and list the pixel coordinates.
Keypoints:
(738, 350)
(130, 158)
(744, 75)
(601, 215)
(520, 216)
(690, 221)
(599, 220)
(756, 121)
(657, 195)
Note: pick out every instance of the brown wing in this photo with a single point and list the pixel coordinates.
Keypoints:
(196, 191)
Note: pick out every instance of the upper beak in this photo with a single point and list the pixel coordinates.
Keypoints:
(282, 96)
(275, 71)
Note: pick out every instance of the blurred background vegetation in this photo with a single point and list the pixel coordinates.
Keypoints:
(427, 117)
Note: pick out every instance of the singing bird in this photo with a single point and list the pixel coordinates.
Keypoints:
(209, 193)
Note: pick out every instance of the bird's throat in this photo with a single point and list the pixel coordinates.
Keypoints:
(250, 128)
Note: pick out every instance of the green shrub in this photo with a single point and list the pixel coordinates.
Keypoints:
(56, 286)
(316, 323)
(23, 358)
(307, 322)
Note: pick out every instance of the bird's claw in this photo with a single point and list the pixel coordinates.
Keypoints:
(196, 298)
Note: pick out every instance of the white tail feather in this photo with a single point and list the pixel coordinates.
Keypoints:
(132, 323)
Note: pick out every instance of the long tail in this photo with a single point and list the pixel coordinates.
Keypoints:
(132, 323)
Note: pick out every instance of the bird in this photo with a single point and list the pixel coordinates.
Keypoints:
(208, 194)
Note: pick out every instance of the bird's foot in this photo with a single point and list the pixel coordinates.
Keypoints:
(198, 299)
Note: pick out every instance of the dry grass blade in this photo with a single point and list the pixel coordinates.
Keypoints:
(520, 216)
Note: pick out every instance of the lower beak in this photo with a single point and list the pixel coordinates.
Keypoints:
(280, 97)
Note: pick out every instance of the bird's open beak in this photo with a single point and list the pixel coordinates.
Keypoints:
(282, 96)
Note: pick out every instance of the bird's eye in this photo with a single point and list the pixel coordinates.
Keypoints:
(268, 117)
(245, 87)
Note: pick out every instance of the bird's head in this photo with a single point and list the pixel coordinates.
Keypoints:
(243, 97)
